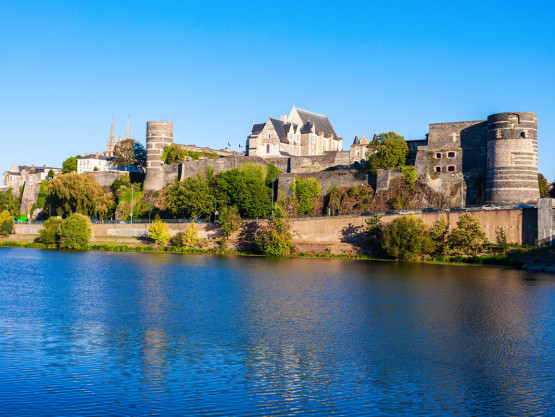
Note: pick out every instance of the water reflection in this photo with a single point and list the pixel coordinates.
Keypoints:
(140, 334)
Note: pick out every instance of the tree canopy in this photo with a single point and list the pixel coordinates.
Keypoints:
(544, 186)
(173, 154)
(129, 152)
(74, 193)
(8, 202)
(70, 164)
(191, 198)
(387, 150)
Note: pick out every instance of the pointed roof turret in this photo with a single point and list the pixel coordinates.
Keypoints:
(127, 133)
(112, 130)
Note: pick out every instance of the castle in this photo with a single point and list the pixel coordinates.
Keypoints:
(475, 162)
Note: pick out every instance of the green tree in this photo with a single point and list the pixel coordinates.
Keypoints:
(468, 237)
(41, 200)
(387, 150)
(75, 232)
(50, 174)
(8, 202)
(440, 234)
(159, 232)
(544, 186)
(6, 223)
(307, 191)
(50, 232)
(173, 154)
(70, 164)
(275, 238)
(245, 188)
(187, 239)
(230, 220)
(129, 152)
(410, 175)
(191, 198)
(374, 231)
(407, 238)
(77, 193)
(501, 240)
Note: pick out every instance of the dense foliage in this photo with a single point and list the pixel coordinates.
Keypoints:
(75, 232)
(440, 234)
(9, 203)
(544, 186)
(407, 238)
(6, 223)
(129, 152)
(230, 219)
(191, 198)
(70, 164)
(306, 192)
(468, 237)
(387, 150)
(173, 154)
(187, 239)
(49, 234)
(74, 193)
(245, 188)
(159, 232)
(275, 238)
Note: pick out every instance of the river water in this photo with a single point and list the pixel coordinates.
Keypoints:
(96, 333)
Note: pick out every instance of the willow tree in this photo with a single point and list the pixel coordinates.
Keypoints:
(77, 193)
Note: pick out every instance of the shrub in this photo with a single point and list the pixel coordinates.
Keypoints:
(439, 234)
(50, 233)
(230, 220)
(275, 238)
(501, 240)
(306, 192)
(467, 237)
(187, 239)
(374, 230)
(407, 238)
(410, 175)
(159, 232)
(75, 232)
(6, 223)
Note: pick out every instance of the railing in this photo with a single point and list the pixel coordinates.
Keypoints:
(246, 219)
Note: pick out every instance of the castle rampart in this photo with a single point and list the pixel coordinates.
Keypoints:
(158, 135)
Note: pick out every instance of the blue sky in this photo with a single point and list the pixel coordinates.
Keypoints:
(214, 68)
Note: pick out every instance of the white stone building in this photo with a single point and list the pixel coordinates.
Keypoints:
(301, 133)
(94, 162)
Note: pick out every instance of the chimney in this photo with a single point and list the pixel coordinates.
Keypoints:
(283, 118)
(85, 153)
(96, 155)
(15, 168)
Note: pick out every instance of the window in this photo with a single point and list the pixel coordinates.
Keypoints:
(523, 135)
(438, 169)
(438, 155)
(451, 155)
(451, 168)
(267, 148)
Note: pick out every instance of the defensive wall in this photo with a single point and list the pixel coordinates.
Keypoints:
(327, 179)
(520, 225)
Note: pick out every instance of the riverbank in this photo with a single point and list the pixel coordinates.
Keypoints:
(539, 260)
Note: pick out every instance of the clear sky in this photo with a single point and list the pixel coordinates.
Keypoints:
(213, 68)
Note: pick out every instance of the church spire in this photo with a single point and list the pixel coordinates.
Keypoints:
(127, 133)
(112, 141)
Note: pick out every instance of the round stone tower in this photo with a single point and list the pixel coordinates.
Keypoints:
(158, 135)
(512, 164)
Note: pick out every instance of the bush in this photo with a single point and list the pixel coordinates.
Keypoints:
(467, 238)
(159, 232)
(230, 220)
(307, 191)
(187, 239)
(374, 231)
(501, 240)
(439, 234)
(410, 175)
(6, 223)
(75, 232)
(275, 238)
(407, 238)
(191, 198)
(50, 233)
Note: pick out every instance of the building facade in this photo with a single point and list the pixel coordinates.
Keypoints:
(302, 133)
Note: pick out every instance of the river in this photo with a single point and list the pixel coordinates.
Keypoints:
(97, 333)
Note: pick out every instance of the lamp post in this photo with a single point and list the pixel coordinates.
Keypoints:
(132, 203)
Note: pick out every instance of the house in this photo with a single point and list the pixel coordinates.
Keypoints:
(302, 133)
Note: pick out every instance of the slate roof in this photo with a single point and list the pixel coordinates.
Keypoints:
(278, 126)
(257, 128)
(320, 121)
(356, 141)
(93, 156)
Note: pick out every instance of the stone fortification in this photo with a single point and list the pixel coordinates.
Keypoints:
(493, 160)
(512, 152)
(327, 179)
(198, 149)
(158, 135)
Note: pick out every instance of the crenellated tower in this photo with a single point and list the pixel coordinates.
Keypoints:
(159, 134)
(512, 158)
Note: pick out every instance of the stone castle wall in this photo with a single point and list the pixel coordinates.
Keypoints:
(327, 179)
(159, 134)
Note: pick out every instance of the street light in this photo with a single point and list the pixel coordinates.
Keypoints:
(132, 203)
